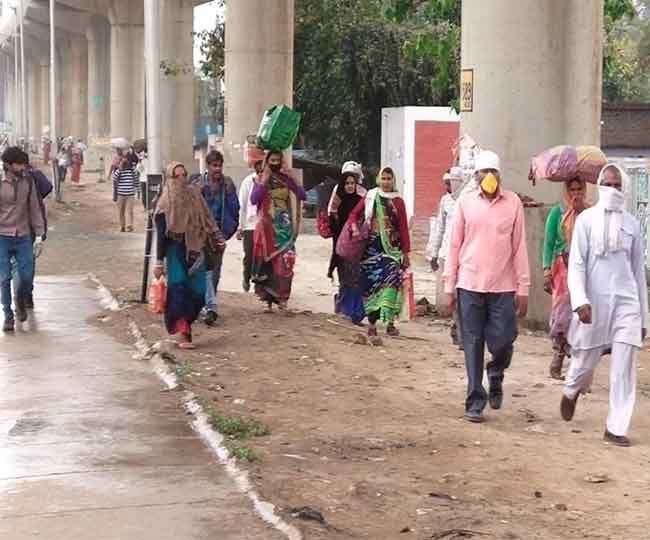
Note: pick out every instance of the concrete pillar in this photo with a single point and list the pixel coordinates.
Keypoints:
(79, 97)
(259, 70)
(34, 118)
(44, 94)
(177, 82)
(537, 79)
(99, 63)
(65, 87)
(127, 74)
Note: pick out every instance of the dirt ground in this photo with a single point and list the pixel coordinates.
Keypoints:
(373, 438)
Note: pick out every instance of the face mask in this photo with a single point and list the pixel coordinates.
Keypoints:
(611, 198)
(275, 168)
(490, 184)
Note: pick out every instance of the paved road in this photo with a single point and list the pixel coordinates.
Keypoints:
(91, 448)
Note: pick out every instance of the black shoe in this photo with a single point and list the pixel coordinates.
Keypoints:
(474, 417)
(568, 407)
(21, 312)
(9, 325)
(618, 440)
(246, 285)
(29, 302)
(211, 318)
(496, 395)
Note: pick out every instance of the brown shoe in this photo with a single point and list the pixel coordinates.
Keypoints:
(568, 407)
(392, 331)
(556, 366)
(618, 440)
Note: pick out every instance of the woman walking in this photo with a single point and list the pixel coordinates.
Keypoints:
(559, 230)
(345, 197)
(387, 254)
(277, 197)
(185, 229)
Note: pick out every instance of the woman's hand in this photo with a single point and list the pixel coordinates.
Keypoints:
(158, 270)
(406, 261)
(266, 175)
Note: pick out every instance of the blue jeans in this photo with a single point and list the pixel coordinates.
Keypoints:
(213, 277)
(486, 318)
(20, 248)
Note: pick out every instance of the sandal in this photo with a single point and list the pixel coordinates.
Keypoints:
(392, 331)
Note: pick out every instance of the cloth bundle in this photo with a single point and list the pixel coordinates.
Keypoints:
(279, 128)
(564, 163)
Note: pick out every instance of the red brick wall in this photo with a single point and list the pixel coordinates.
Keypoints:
(626, 126)
(433, 142)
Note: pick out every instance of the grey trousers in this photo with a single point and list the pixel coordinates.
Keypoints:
(486, 318)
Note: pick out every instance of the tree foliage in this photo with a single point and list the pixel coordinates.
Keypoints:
(354, 57)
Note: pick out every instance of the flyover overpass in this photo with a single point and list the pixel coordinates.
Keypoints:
(535, 69)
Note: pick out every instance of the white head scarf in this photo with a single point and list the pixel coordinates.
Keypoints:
(611, 205)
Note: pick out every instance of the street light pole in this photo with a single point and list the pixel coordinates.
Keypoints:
(17, 122)
(23, 95)
(53, 133)
(153, 135)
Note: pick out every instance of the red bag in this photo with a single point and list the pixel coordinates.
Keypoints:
(350, 247)
(158, 295)
(323, 224)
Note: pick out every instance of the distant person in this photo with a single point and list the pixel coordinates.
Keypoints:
(20, 217)
(557, 241)
(184, 227)
(126, 183)
(247, 222)
(487, 270)
(278, 198)
(386, 256)
(220, 194)
(345, 197)
(609, 294)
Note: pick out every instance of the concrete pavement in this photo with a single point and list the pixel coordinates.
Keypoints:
(90, 445)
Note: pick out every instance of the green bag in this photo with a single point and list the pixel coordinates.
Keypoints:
(279, 128)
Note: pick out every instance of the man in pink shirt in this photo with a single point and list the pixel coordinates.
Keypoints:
(487, 273)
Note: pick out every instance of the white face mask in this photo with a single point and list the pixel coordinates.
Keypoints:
(611, 198)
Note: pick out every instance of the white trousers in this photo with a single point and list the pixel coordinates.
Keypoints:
(622, 382)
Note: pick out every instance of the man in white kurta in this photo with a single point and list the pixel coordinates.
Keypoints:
(609, 296)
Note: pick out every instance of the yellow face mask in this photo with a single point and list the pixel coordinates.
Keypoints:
(490, 184)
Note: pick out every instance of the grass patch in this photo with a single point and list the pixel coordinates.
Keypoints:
(183, 371)
(237, 431)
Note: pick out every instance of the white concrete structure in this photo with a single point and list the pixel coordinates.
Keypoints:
(398, 143)
(537, 70)
(100, 83)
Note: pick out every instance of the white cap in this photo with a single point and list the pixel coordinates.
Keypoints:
(487, 160)
(354, 168)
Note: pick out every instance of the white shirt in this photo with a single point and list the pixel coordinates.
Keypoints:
(247, 210)
(438, 246)
(614, 285)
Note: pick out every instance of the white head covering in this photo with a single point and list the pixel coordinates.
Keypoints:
(353, 167)
(487, 160)
(610, 206)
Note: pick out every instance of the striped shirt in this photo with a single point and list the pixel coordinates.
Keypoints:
(126, 181)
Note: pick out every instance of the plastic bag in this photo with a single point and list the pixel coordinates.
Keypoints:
(279, 128)
(158, 295)
(408, 312)
(323, 224)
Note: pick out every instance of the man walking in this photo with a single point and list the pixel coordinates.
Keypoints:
(438, 247)
(608, 289)
(125, 186)
(20, 218)
(248, 221)
(487, 270)
(220, 194)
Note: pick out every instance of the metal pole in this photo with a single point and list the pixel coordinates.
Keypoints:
(53, 131)
(153, 135)
(17, 122)
(23, 96)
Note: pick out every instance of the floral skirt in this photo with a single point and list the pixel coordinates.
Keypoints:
(382, 279)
